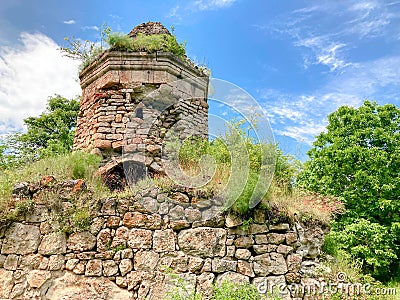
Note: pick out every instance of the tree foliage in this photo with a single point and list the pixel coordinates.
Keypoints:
(358, 159)
(50, 133)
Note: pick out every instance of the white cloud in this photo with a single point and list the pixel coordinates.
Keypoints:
(302, 117)
(69, 22)
(174, 13)
(213, 4)
(178, 12)
(94, 27)
(304, 133)
(325, 52)
(29, 74)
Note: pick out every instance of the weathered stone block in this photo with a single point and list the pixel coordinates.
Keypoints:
(242, 254)
(233, 221)
(270, 263)
(110, 268)
(113, 221)
(56, 262)
(71, 264)
(245, 268)
(283, 249)
(11, 262)
(260, 249)
(233, 277)
(71, 286)
(145, 260)
(220, 265)
(135, 278)
(125, 266)
(291, 238)
(195, 264)
(21, 239)
(244, 242)
(81, 241)
(38, 214)
(139, 220)
(176, 261)
(164, 240)
(203, 241)
(258, 228)
(6, 283)
(36, 278)
(93, 268)
(230, 251)
(104, 240)
(140, 239)
(53, 243)
(192, 215)
(205, 284)
(279, 227)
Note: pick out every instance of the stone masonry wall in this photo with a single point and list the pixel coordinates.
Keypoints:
(134, 244)
(130, 100)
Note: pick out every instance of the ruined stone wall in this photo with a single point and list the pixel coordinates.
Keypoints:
(131, 241)
(130, 100)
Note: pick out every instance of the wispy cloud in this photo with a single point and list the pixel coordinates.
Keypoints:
(174, 13)
(325, 52)
(93, 27)
(180, 11)
(328, 29)
(29, 74)
(69, 22)
(212, 4)
(332, 34)
(303, 116)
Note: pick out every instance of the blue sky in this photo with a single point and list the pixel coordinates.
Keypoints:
(299, 59)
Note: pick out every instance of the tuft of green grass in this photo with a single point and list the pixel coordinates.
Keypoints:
(147, 43)
(227, 290)
(234, 291)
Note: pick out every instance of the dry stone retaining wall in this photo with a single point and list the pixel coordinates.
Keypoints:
(134, 244)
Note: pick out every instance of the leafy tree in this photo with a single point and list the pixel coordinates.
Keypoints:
(358, 159)
(50, 133)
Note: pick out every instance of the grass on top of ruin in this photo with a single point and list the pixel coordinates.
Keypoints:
(76, 165)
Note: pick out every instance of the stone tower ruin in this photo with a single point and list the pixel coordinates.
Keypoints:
(131, 100)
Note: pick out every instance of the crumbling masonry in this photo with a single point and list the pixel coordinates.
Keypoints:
(131, 100)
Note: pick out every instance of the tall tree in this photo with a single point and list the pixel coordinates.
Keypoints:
(358, 159)
(50, 133)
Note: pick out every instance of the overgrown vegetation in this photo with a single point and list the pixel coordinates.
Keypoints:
(87, 51)
(147, 43)
(227, 290)
(282, 196)
(353, 272)
(77, 165)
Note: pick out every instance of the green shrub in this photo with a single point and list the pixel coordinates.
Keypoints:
(368, 242)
